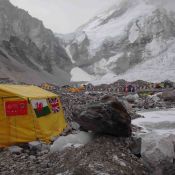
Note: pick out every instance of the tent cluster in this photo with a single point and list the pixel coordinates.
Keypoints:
(122, 86)
(72, 87)
(49, 87)
(29, 113)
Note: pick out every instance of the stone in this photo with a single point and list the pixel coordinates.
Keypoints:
(169, 84)
(109, 116)
(169, 96)
(35, 145)
(132, 98)
(135, 146)
(154, 98)
(75, 126)
(15, 149)
(45, 147)
(32, 157)
(151, 101)
(128, 105)
(158, 150)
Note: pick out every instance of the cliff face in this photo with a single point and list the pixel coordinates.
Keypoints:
(27, 43)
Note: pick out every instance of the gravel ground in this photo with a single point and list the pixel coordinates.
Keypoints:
(105, 155)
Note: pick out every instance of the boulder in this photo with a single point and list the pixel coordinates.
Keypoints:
(158, 151)
(132, 98)
(169, 95)
(75, 125)
(37, 146)
(109, 116)
(151, 101)
(15, 149)
(169, 84)
(135, 146)
(154, 98)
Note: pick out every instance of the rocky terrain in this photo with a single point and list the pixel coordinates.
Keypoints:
(86, 160)
(104, 154)
(28, 51)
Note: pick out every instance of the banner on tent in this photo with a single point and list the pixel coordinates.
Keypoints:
(40, 107)
(15, 108)
(54, 103)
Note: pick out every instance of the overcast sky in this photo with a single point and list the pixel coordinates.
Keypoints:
(63, 16)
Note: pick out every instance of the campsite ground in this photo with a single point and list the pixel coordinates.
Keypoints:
(105, 155)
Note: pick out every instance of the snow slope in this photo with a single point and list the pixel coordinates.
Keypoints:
(157, 69)
(116, 27)
(80, 75)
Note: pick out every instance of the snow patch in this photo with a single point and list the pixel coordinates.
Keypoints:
(105, 66)
(160, 122)
(100, 67)
(69, 54)
(156, 47)
(115, 58)
(72, 140)
(134, 33)
(157, 136)
(80, 38)
(80, 75)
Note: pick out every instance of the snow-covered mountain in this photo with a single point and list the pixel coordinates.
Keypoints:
(133, 40)
(28, 51)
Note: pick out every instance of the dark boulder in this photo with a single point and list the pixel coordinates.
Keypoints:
(169, 96)
(109, 116)
(168, 84)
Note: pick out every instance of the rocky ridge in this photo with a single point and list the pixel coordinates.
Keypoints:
(29, 52)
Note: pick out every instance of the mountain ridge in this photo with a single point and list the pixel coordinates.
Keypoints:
(31, 45)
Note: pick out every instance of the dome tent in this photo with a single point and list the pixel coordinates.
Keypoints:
(29, 113)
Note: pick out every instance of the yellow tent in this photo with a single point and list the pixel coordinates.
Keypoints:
(23, 118)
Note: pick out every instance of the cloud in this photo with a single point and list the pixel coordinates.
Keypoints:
(63, 16)
(167, 4)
